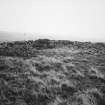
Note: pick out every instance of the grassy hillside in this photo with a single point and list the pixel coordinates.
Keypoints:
(48, 72)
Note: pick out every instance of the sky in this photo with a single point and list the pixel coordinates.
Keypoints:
(58, 19)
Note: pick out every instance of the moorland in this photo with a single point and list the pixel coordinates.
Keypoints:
(52, 72)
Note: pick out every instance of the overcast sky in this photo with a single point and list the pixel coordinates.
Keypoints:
(61, 19)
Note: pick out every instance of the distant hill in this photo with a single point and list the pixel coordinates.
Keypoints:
(16, 36)
(10, 36)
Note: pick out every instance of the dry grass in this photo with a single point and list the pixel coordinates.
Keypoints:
(58, 76)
